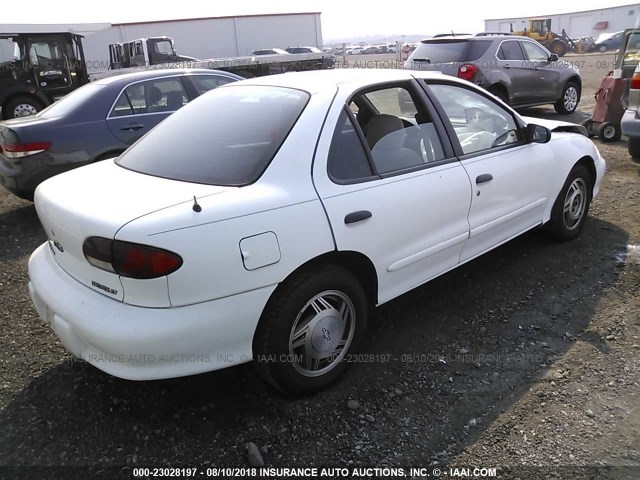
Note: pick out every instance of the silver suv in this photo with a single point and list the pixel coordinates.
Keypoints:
(518, 70)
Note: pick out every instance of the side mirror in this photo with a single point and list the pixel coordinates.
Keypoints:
(553, 57)
(33, 57)
(537, 133)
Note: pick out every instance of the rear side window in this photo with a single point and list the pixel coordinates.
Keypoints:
(75, 99)
(441, 51)
(477, 48)
(510, 51)
(226, 137)
(204, 83)
(347, 158)
(163, 95)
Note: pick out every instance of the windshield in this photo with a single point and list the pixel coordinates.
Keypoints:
(440, 52)
(71, 101)
(164, 47)
(225, 137)
(451, 51)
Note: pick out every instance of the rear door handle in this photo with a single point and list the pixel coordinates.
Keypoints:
(506, 66)
(358, 216)
(484, 178)
(133, 127)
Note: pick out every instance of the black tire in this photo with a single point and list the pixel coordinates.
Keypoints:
(602, 48)
(634, 148)
(569, 99)
(500, 93)
(20, 107)
(609, 132)
(274, 356)
(577, 191)
(558, 47)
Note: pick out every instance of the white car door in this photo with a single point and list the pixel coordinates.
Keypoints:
(510, 178)
(391, 189)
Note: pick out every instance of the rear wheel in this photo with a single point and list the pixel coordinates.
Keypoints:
(609, 132)
(602, 48)
(500, 93)
(572, 205)
(634, 148)
(568, 101)
(21, 107)
(306, 332)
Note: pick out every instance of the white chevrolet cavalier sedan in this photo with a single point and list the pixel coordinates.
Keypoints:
(263, 220)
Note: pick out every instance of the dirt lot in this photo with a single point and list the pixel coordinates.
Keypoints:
(526, 359)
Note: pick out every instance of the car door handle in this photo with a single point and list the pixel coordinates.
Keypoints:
(506, 66)
(133, 127)
(484, 178)
(358, 216)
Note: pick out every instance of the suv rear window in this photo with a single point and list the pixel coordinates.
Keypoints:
(446, 51)
(227, 136)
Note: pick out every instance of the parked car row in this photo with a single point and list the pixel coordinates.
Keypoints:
(366, 50)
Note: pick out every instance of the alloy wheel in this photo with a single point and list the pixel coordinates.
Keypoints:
(575, 203)
(322, 333)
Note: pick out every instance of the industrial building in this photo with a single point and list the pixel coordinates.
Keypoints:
(588, 23)
(203, 38)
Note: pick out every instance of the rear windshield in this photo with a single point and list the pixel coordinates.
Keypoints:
(448, 51)
(227, 136)
(71, 101)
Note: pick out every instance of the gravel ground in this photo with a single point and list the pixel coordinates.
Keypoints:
(526, 359)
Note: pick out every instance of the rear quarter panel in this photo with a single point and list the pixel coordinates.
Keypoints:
(282, 201)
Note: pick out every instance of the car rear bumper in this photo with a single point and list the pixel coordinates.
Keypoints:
(22, 176)
(630, 124)
(139, 343)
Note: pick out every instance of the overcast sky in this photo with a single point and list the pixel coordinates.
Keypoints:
(340, 18)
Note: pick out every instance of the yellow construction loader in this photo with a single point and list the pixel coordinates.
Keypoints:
(540, 30)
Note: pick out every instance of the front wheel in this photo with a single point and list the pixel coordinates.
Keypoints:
(21, 107)
(309, 328)
(559, 48)
(572, 205)
(568, 101)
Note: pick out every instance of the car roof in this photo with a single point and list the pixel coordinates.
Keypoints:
(448, 38)
(155, 73)
(316, 81)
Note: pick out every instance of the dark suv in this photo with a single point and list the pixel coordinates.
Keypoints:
(518, 70)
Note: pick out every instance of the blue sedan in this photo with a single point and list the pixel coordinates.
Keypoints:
(98, 121)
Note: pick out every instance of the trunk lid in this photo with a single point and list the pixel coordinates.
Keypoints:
(98, 200)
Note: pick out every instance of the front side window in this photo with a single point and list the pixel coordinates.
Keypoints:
(398, 132)
(163, 95)
(223, 138)
(479, 123)
(534, 52)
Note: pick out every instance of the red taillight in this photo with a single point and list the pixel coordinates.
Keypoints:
(130, 259)
(635, 81)
(467, 71)
(19, 150)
